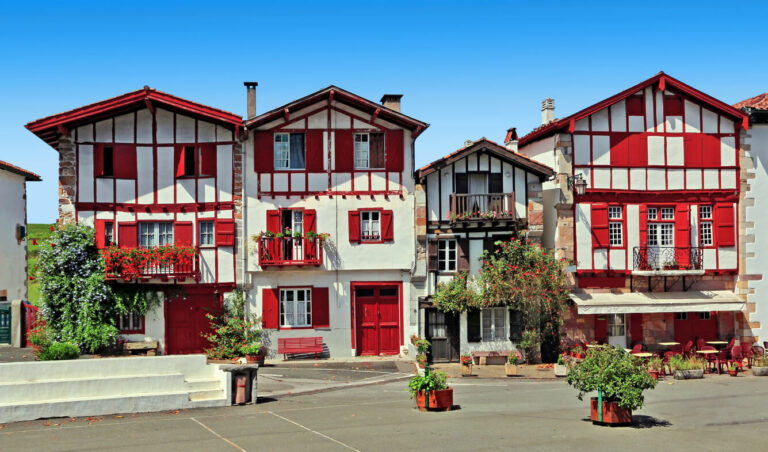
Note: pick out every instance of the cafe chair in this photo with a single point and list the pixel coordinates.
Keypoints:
(736, 356)
(746, 351)
(687, 349)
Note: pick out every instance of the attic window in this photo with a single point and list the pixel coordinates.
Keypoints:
(108, 156)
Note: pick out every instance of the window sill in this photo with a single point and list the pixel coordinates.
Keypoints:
(296, 328)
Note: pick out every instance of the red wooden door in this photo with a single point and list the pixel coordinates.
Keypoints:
(684, 327)
(185, 322)
(377, 319)
(705, 325)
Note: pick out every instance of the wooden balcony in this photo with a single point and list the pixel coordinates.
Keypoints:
(290, 251)
(164, 263)
(482, 207)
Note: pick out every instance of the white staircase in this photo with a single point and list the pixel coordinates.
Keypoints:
(92, 387)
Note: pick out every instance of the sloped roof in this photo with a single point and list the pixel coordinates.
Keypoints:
(49, 128)
(663, 81)
(28, 175)
(759, 102)
(492, 147)
(337, 94)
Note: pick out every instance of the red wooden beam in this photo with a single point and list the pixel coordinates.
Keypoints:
(375, 114)
(287, 114)
(330, 96)
(62, 130)
(150, 107)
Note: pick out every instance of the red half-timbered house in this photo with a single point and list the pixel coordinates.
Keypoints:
(148, 170)
(654, 235)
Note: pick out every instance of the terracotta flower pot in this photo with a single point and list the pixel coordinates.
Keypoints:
(613, 414)
(255, 358)
(654, 374)
(438, 400)
(733, 373)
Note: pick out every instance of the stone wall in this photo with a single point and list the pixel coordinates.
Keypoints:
(67, 179)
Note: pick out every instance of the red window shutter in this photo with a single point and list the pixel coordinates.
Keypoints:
(462, 255)
(127, 235)
(601, 328)
(182, 234)
(692, 149)
(619, 149)
(599, 225)
(354, 226)
(178, 160)
(710, 150)
(320, 316)
(315, 154)
(344, 149)
(643, 226)
(635, 106)
(208, 159)
(387, 226)
(673, 106)
(98, 160)
(125, 161)
(638, 150)
(432, 257)
(394, 150)
(726, 231)
(273, 221)
(225, 232)
(310, 222)
(683, 235)
(636, 327)
(270, 309)
(99, 226)
(263, 152)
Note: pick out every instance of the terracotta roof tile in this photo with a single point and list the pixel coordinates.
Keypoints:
(29, 175)
(759, 102)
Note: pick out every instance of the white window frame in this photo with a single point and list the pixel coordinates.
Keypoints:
(667, 213)
(130, 322)
(295, 312)
(705, 212)
(616, 233)
(652, 214)
(444, 261)
(282, 150)
(706, 237)
(614, 213)
(370, 225)
(205, 237)
(661, 234)
(362, 154)
(150, 234)
(491, 332)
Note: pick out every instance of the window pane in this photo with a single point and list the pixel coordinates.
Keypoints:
(388, 292)
(377, 150)
(361, 151)
(297, 151)
(282, 151)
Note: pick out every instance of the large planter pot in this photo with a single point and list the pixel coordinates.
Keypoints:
(613, 414)
(760, 371)
(255, 358)
(466, 370)
(561, 370)
(654, 374)
(438, 400)
(689, 374)
(733, 373)
(510, 369)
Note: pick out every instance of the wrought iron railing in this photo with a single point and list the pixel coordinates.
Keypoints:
(290, 251)
(482, 206)
(648, 258)
(160, 262)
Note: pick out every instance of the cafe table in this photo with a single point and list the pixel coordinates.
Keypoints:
(718, 344)
(643, 354)
(706, 353)
(669, 344)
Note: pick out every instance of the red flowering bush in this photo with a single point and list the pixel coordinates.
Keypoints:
(131, 263)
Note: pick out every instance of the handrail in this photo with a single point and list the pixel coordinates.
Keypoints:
(482, 206)
(290, 251)
(667, 258)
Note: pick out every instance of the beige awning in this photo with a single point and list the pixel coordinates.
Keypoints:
(647, 302)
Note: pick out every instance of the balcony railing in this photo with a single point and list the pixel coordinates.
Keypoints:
(667, 258)
(482, 206)
(283, 251)
(146, 263)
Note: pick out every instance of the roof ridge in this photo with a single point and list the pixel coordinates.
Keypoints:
(29, 175)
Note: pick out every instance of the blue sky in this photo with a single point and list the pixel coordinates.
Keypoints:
(470, 69)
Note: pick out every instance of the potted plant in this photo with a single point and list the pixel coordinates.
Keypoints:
(466, 365)
(431, 391)
(253, 352)
(510, 367)
(578, 352)
(760, 366)
(686, 368)
(655, 365)
(421, 360)
(561, 367)
(619, 381)
(733, 369)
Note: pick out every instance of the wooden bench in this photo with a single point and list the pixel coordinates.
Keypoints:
(148, 348)
(482, 357)
(299, 345)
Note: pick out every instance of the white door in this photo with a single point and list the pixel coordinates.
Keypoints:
(661, 244)
(477, 186)
(617, 330)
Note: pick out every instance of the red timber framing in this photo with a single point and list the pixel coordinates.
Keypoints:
(319, 160)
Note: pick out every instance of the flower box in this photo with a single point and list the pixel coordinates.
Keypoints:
(510, 369)
(613, 414)
(441, 400)
(689, 374)
(561, 370)
(760, 371)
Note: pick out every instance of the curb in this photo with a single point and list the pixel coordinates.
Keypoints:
(279, 395)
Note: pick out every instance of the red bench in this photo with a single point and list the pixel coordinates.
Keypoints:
(296, 345)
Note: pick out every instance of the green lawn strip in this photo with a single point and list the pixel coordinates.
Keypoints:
(39, 233)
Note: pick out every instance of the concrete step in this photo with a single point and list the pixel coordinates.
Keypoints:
(201, 384)
(94, 387)
(197, 396)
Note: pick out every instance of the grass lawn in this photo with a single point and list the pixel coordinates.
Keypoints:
(38, 233)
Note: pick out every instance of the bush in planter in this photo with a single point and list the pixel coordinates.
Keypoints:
(615, 374)
(760, 366)
(58, 351)
(440, 395)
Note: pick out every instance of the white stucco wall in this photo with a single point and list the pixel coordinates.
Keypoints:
(13, 277)
(758, 216)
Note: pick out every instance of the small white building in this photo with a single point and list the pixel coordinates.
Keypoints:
(338, 164)
(13, 224)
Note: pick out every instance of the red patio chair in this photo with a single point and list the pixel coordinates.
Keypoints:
(700, 344)
(736, 356)
(687, 349)
(731, 343)
(746, 351)
(721, 359)
(765, 346)
(637, 348)
(665, 361)
(758, 350)
(710, 358)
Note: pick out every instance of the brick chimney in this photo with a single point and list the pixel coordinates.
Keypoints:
(251, 88)
(547, 111)
(511, 139)
(391, 101)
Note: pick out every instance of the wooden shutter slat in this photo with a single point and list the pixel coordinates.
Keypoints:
(344, 150)
(692, 149)
(354, 226)
(99, 227)
(183, 234)
(599, 225)
(394, 150)
(710, 151)
(273, 221)
(726, 234)
(387, 226)
(315, 155)
(98, 160)
(225, 232)
(178, 160)
(208, 159)
(310, 220)
(127, 235)
(320, 313)
(683, 235)
(124, 158)
(432, 255)
(462, 255)
(270, 308)
(637, 150)
(263, 152)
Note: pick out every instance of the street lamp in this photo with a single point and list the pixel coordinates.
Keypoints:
(577, 183)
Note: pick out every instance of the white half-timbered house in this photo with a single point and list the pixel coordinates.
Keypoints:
(655, 234)
(475, 196)
(148, 169)
(329, 221)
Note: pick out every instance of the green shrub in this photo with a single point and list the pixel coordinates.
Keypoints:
(235, 333)
(58, 351)
(680, 362)
(431, 381)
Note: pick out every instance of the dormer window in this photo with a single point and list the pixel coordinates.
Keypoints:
(289, 151)
(369, 151)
